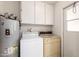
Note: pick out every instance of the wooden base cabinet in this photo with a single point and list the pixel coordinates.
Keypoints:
(51, 47)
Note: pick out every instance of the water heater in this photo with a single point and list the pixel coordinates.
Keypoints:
(9, 38)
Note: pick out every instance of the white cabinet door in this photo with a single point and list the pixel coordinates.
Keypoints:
(49, 14)
(39, 13)
(27, 13)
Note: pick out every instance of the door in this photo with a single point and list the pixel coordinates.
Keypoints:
(49, 14)
(27, 13)
(71, 31)
(51, 47)
(39, 12)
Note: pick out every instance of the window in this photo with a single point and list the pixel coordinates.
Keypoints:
(72, 17)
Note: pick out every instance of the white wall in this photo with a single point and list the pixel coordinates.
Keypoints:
(36, 28)
(58, 22)
(10, 7)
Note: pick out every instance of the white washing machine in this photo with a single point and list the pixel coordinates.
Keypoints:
(31, 45)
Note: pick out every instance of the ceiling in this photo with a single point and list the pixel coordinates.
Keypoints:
(51, 2)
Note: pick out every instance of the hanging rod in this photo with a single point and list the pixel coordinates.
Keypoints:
(71, 4)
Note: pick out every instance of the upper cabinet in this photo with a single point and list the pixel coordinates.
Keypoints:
(49, 14)
(27, 13)
(39, 13)
(36, 13)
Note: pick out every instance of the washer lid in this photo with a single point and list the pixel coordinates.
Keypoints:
(30, 35)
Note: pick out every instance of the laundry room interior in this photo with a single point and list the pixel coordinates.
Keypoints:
(39, 28)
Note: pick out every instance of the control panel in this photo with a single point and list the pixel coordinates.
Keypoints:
(7, 32)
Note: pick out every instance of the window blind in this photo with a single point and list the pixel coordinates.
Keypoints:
(72, 17)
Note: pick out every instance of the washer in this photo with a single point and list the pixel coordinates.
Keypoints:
(31, 45)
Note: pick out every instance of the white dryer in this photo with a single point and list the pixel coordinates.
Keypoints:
(31, 45)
